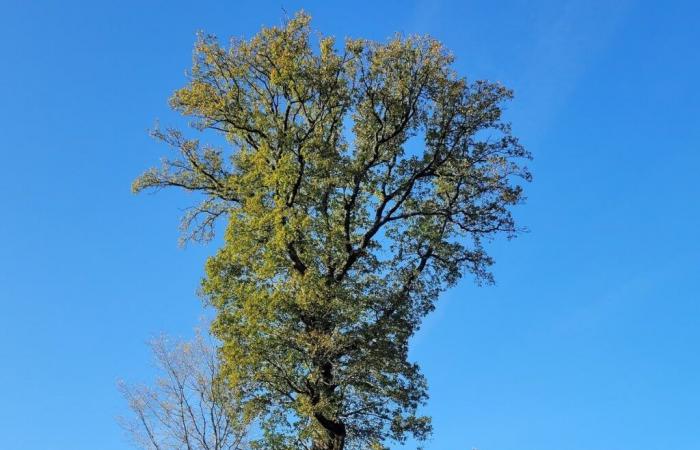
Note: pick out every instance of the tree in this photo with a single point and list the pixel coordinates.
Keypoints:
(189, 407)
(358, 184)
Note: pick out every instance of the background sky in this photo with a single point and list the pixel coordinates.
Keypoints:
(590, 340)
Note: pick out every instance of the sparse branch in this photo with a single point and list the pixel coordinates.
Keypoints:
(189, 406)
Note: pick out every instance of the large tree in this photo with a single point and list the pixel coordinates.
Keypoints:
(359, 181)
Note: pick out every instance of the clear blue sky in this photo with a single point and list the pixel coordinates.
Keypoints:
(589, 341)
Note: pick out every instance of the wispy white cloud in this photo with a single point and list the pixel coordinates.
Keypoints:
(541, 49)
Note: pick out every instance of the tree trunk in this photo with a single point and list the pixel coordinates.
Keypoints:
(334, 438)
(334, 443)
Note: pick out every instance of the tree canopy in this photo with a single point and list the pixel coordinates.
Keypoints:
(358, 182)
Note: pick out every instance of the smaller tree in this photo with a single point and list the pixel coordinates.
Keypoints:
(189, 407)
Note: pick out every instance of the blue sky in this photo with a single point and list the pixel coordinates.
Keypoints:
(589, 340)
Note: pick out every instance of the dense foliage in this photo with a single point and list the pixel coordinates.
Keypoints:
(358, 183)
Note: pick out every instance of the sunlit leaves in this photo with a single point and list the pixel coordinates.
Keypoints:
(360, 182)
